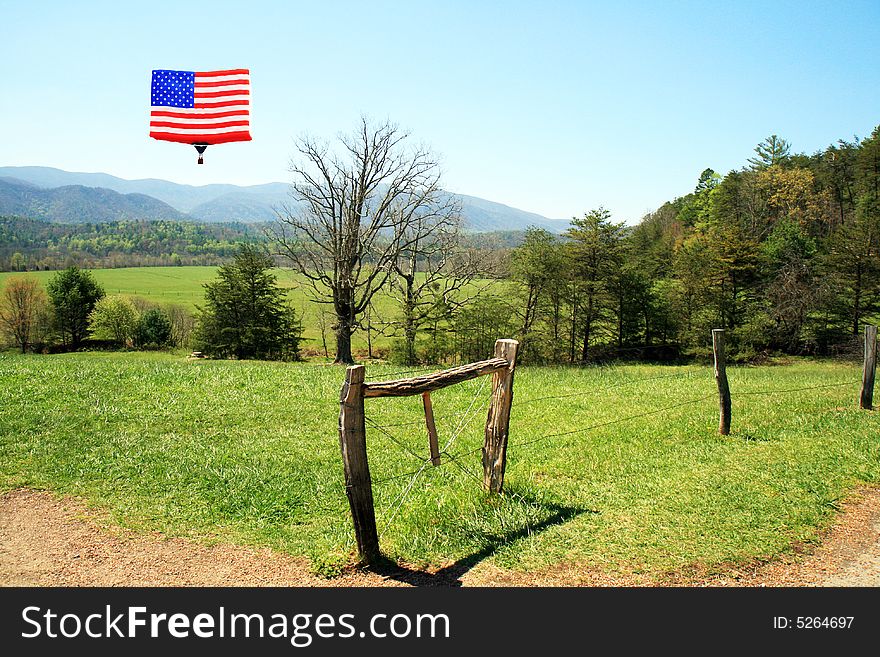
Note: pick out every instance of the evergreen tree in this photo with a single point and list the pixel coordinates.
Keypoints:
(791, 291)
(153, 330)
(868, 164)
(835, 170)
(773, 150)
(245, 313)
(853, 260)
(533, 266)
(596, 250)
(73, 293)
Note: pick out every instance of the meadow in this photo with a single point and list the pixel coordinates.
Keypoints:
(616, 468)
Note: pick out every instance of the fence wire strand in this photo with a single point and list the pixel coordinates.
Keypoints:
(464, 418)
(403, 497)
(779, 392)
(592, 391)
(398, 502)
(395, 440)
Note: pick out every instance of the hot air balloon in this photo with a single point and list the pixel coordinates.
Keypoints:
(200, 108)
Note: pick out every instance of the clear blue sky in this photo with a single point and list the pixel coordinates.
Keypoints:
(552, 107)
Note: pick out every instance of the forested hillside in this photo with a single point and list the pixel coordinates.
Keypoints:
(784, 253)
(70, 197)
(32, 245)
(28, 244)
(79, 204)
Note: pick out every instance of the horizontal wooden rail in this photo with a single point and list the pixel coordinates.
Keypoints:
(434, 381)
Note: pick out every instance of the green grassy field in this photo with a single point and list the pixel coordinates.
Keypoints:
(248, 452)
(184, 285)
(160, 284)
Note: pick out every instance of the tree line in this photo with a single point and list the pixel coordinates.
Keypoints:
(73, 312)
(784, 254)
(32, 245)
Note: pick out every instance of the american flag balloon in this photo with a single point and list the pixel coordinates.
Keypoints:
(200, 107)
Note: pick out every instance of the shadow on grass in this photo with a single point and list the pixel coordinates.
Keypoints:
(555, 514)
(754, 438)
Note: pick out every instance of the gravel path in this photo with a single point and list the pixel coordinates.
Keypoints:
(859, 562)
(47, 541)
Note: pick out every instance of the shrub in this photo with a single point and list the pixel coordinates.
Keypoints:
(114, 318)
(153, 331)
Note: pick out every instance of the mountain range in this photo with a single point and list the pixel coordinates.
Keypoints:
(69, 197)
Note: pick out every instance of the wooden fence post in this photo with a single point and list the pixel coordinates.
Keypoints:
(721, 380)
(358, 486)
(498, 420)
(866, 397)
(433, 444)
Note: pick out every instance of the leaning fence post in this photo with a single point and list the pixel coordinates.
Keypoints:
(721, 380)
(866, 396)
(353, 443)
(498, 420)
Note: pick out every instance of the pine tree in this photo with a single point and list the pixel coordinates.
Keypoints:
(73, 293)
(773, 150)
(596, 250)
(246, 314)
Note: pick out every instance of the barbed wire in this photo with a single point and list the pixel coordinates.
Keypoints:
(596, 426)
(445, 414)
(415, 474)
(503, 493)
(400, 424)
(402, 498)
(395, 440)
(454, 460)
(777, 392)
(591, 391)
(618, 420)
(396, 477)
(464, 418)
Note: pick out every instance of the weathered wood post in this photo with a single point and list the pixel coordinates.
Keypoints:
(358, 486)
(433, 444)
(498, 420)
(721, 380)
(866, 396)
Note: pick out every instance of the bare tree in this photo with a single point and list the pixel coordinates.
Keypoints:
(355, 208)
(22, 310)
(182, 324)
(432, 276)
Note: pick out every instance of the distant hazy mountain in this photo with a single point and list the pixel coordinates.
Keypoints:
(181, 197)
(79, 204)
(482, 216)
(215, 203)
(247, 204)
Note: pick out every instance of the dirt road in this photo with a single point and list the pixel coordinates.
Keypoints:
(47, 541)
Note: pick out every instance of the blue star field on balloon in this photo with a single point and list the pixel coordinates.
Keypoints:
(173, 88)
